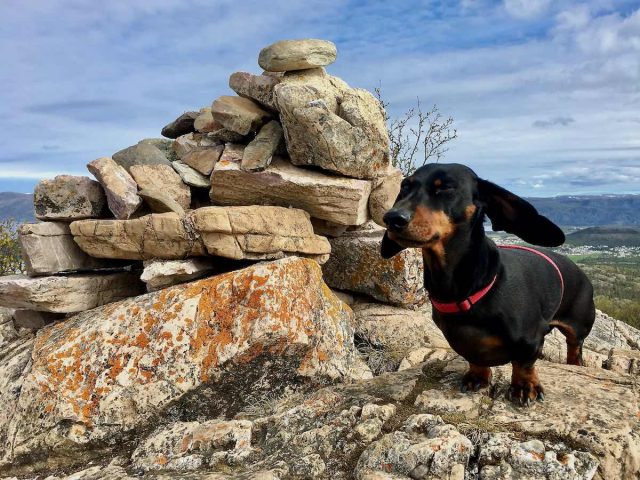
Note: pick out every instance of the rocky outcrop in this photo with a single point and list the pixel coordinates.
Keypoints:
(339, 200)
(356, 265)
(287, 55)
(48, 248)
(100, 375)
(68, 294)
(67, 198)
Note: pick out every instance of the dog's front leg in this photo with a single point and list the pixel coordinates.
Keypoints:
(477, 377)
(525, 386)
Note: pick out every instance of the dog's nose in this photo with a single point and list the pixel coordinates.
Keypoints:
(397, 219)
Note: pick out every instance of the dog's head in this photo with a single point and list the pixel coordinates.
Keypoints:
(438, 199)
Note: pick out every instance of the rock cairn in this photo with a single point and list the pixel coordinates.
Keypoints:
(239, 361)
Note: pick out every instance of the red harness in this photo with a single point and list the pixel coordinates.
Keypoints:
(466, 304)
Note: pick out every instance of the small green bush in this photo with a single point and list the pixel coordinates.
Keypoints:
(10, 255)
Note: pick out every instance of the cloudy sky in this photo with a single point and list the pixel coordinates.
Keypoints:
(545, 93)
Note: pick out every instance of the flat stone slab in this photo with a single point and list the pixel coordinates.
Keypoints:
(297, 55)
(140, 154)
(48, 248)
(162, 178)
(68, 198)
(180, 126)
(256, 87)
(68, 294)
(159, 274)
(253, 233)
(239, 114)
(336, 199)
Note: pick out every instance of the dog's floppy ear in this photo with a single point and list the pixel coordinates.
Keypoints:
(389, 248)
(513, 214)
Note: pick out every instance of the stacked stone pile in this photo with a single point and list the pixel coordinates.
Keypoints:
(239, 361)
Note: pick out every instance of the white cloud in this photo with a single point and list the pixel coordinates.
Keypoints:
(526, 9)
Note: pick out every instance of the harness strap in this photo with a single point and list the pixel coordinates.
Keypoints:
(466, 304)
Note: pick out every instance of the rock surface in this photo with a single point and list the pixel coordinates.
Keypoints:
(160, 202)
(339, 200)
(162, 178)
(33, 319)
(203, 159)
(121, 189)
(101, 374)
(259, 152)
(256, 87)
(140, 154)
(68, 294)
(48, 248)
(191, 176)
(384, 194)
(356, 265)
(180, 126)
(193, 141)
(288, 55)
(159, 274)
(352, 141)
(239, 114)
(68, 198)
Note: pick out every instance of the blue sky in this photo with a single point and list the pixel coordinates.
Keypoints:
(545, 93)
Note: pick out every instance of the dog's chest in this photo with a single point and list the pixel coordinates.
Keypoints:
(475, 343)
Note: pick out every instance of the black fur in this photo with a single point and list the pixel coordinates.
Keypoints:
(509, 324)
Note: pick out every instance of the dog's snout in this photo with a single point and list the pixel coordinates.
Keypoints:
(397, 219)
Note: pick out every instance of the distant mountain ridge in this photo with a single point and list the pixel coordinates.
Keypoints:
(18, 206)
(616, 236)
(590, 210)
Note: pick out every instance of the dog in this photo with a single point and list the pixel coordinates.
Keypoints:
(493, 304)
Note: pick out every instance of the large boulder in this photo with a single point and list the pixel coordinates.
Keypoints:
(120, 187)
(68, 294)
(339, 200)
(68, 198)
(356, 265)
(200, 349)
(239, 114)
(288, 55)
(254, 232)
(351, 139)
(48, 248)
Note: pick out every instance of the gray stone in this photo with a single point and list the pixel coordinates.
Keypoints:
(356, 265)
(164, 179)
(288, 55)
(159, 274)
(258, 154)
(352, 141)
(121, 189)
(164, 145)
(140, 154)
(48, 248)
(68, 294)
(185, 144)
(191, 176)
(160, 202)
(239, 114)
(339, 200)
(68, 198)
(256, 87)
(180, 126)
(203, 159)
(384, 194)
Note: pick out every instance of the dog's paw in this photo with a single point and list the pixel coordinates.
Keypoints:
(475, 379)
(524, 393)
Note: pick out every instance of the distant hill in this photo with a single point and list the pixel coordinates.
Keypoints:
(16, 205)
(610, 236)
(590, 210)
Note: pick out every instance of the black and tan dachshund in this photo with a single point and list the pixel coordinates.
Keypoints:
(494, 305)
